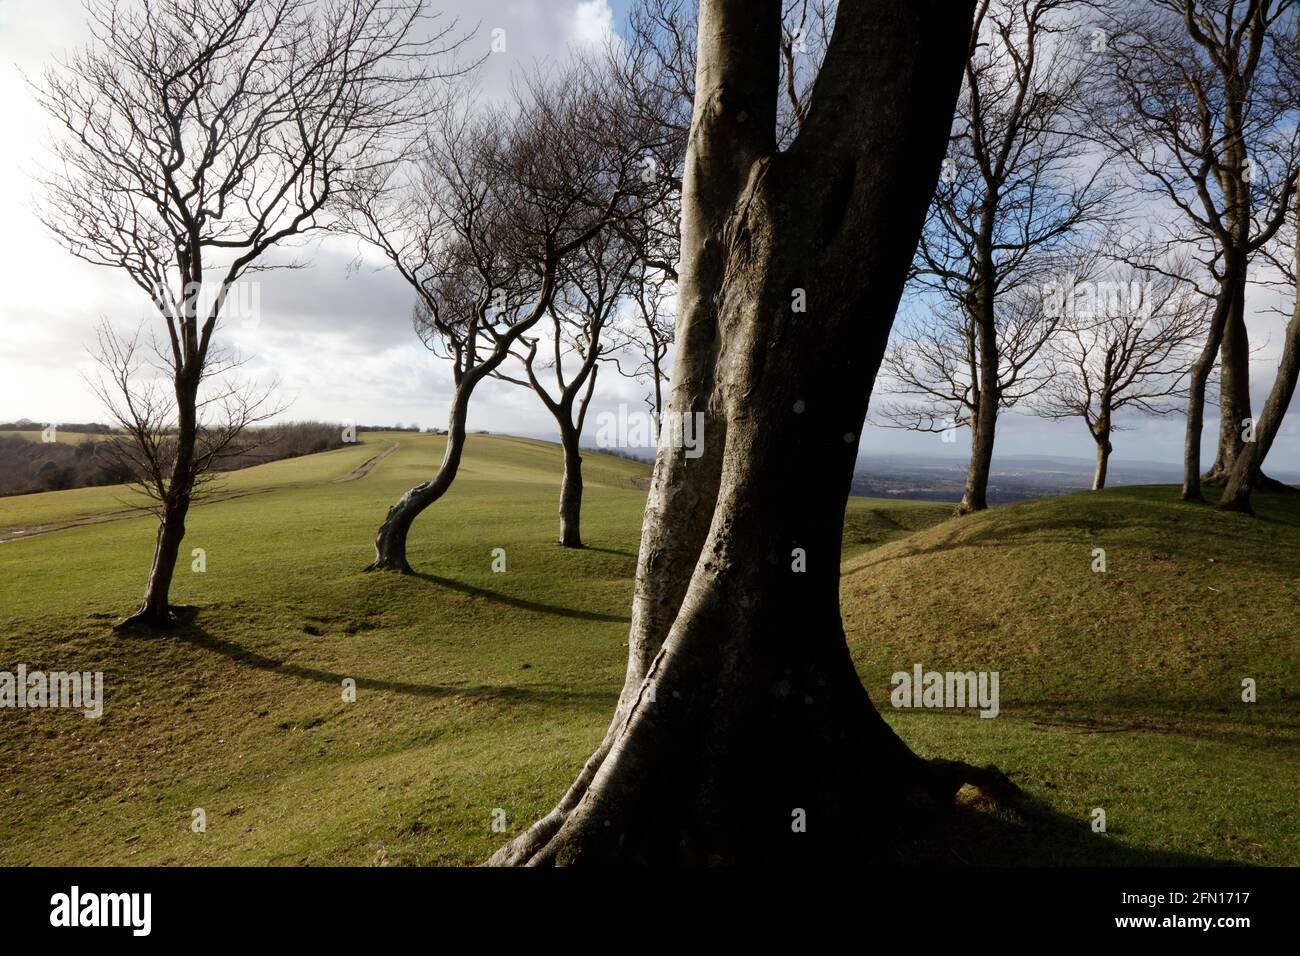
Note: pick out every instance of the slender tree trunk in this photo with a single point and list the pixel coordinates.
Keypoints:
(390, 541)
(984, 426)
(1196, 383)
(1234, 383)
(1104, 448)
(155, 609)
(749, 721)
(975, 494)
(571, 489)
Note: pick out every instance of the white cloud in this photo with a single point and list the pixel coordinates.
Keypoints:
(593, 23)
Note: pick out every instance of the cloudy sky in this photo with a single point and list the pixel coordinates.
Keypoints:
(338, 339)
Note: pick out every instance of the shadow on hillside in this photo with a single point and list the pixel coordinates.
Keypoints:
(1275, 722)
(1036, 835)
(520, 603)
(193, 634)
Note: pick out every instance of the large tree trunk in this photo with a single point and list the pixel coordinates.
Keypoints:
(742, 705)
(571, 489)
(390, 541)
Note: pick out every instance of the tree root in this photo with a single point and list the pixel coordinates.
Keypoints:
(144, 620)
(946, 777)
(399, 565)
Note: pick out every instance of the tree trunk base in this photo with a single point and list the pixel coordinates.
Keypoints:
(152, 619)
(1239, 504)
(904, 805)
(397, 563)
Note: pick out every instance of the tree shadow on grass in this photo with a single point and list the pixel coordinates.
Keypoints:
(976, 834)
(524, 605)
(615, 551)
(190, 632)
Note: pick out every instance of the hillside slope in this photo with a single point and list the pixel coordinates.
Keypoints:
(482, 691)
(1119, 690)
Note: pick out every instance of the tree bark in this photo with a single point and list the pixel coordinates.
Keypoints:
(748, 710)
(1104, 448)
(155, 609)
(1196, 383)
(390, 541)
(983, 431)
(984, 418)
(571, 490)
(1234, 383)
(1246, 470)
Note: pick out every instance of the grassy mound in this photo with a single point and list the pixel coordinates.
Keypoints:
(1120, 690)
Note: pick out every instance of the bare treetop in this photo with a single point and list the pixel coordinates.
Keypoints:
(1198, 105)
(219, 128)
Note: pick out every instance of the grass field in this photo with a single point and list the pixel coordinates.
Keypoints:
(479, 691)
(61, 436)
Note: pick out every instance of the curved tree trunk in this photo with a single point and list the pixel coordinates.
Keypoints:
(571, 490)
(1197, 379)
(155, 609)
(1246, 470)
(748, 713)
(390, 541)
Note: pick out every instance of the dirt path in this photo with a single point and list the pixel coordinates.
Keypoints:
(63, 524)
(370, 464)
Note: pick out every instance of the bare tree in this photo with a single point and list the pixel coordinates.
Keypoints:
(935, 362)
(592, 283)
(1129, 347)
(1018, 196)
(479, 226)
(195, 137)
(1197, 106)
(643, 336)
(144, 407)
(741, 704)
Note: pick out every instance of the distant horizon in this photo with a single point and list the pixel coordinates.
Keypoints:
(959, 456)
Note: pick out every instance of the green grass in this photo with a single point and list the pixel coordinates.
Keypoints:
(480, 690)
(1119, 690)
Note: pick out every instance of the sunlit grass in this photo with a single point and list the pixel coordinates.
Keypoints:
(480, 691)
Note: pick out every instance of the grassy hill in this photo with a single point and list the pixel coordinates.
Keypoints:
(479, 691)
